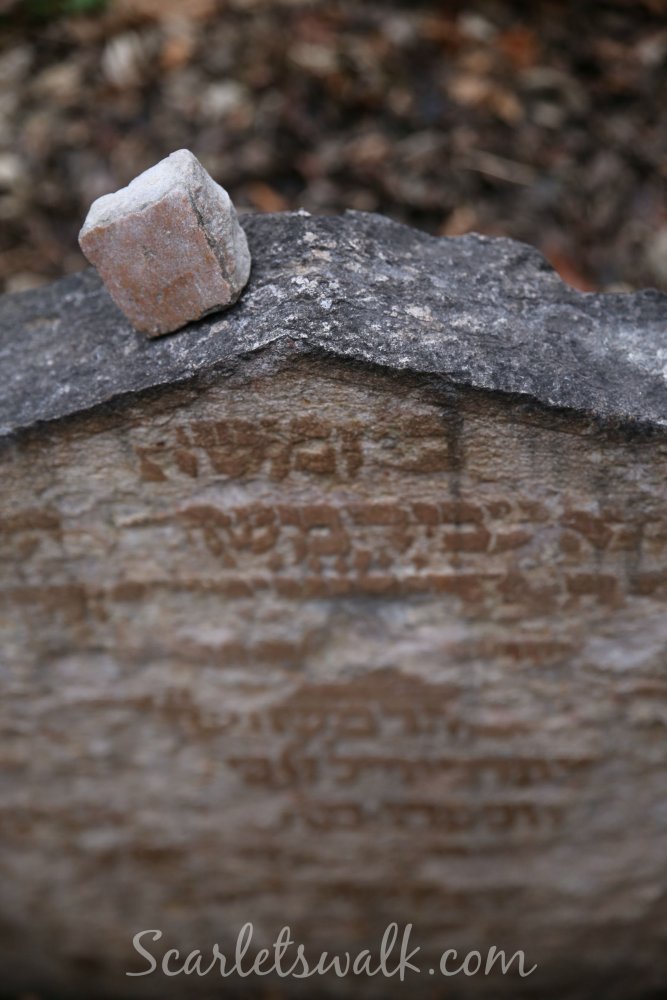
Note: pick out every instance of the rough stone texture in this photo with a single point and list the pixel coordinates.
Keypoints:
(321, 631)
(169, 246)
(483, 312)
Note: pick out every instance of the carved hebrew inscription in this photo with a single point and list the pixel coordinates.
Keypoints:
(262, 638)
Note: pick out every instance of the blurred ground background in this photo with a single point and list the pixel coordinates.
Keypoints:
(545, 121)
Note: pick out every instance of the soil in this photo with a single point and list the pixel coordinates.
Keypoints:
(545, 121)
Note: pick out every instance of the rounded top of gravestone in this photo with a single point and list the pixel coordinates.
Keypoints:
(471, 311)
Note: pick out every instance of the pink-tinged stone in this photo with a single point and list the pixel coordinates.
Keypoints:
(169, 246)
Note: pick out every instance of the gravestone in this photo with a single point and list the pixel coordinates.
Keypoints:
(345, 607)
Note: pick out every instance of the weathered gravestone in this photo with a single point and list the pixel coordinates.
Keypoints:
(343, 608)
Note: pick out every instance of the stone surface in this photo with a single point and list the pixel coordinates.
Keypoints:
(168, 246)
(482, 312)
(309, 624)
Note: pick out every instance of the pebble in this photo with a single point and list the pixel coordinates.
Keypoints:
(169, 246)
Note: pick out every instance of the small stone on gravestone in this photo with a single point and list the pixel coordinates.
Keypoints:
(169, 246)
